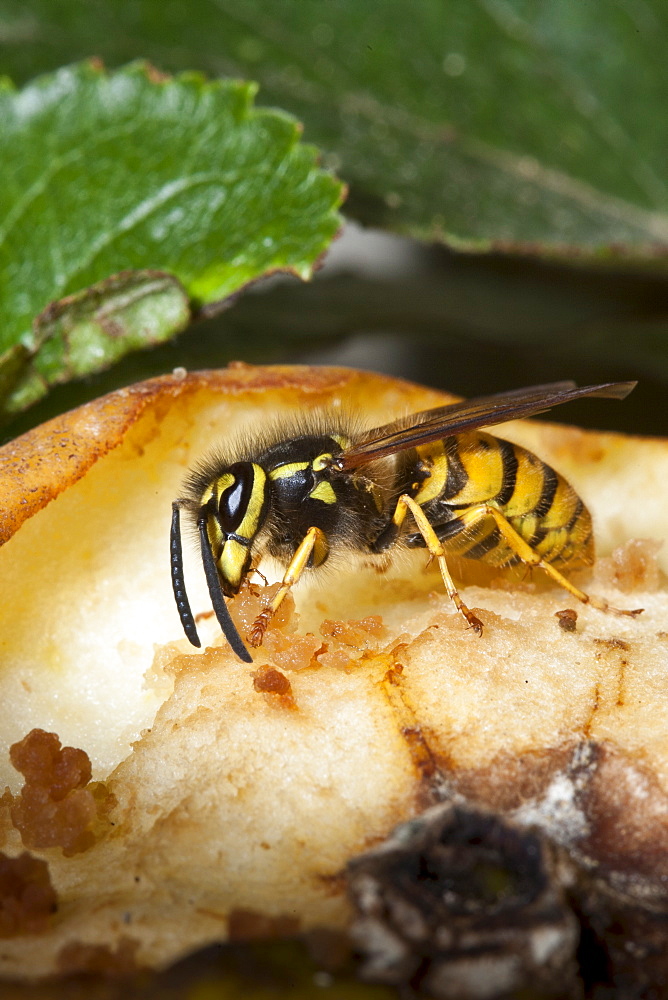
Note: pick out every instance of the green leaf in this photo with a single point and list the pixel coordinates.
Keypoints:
(109, 172)
(14, 363)
(515, 124)
(91, 330)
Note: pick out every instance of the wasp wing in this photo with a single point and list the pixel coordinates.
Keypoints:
(480, 411)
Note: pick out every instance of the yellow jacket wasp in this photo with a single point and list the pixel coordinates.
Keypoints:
(301, 495)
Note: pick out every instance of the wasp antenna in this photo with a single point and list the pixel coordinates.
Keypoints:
(217, 598)
(178, 583)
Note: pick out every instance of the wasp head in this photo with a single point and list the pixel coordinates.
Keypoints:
(233, 510)
(229, 515)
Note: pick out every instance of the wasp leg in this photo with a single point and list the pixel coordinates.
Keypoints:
(313, 544)
(254, 569)
(435, 548)
(532, 558)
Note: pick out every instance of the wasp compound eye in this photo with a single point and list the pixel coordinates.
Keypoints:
(234, 500)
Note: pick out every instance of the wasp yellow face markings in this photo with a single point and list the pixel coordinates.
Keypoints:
(215, 534)
(241, 501)
(233, 562)
(221, 484)
(250, 524)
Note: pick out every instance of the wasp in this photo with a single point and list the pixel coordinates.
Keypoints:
(434, 480)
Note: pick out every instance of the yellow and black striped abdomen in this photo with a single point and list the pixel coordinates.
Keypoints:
(468, 471)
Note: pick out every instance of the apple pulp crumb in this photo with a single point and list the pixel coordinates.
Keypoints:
(248, 925)
(567, 619)
(292, 652)
(348, 641)
(340, 642)
(27, 897)
(251, 600)
(78, 957)
(271, 682)
(58, 805)
(632, 566)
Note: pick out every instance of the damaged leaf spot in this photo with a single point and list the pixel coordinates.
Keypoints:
(250, 201)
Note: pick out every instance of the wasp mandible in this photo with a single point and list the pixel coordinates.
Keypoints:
(433, 480)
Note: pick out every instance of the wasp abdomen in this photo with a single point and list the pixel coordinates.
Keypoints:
(473, 470)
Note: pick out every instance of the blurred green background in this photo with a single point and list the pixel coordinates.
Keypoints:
(513, 152)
